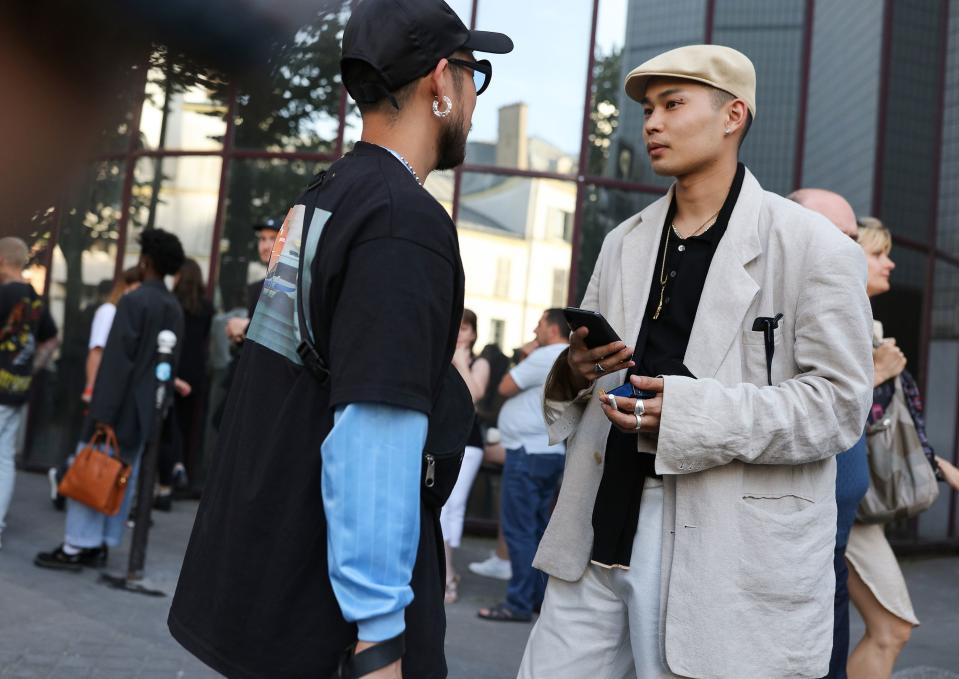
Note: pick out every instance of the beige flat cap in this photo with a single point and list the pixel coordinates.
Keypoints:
(721, 67)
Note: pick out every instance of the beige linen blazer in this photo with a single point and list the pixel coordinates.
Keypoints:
(749, 521)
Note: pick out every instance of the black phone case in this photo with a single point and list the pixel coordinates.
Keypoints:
(600, 332)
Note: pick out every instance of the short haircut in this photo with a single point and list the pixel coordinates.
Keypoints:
(873, 235)
(14, 252)
(356, 72)
(556, 317)
(163, 249)
(721, 98)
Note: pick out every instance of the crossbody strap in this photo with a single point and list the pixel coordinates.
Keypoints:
(306, 349)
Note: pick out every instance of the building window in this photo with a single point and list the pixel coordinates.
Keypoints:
(559, 224)
(497, 331)
(560, 279)
(501, 283)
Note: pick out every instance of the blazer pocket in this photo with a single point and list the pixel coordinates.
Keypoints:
(785, 548)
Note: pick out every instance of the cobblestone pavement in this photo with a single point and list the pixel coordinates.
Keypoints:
(67, 625)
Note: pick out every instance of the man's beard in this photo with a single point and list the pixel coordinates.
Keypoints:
(452, 144)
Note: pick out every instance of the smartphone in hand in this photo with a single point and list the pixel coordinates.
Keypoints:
(600, 331)
(629, 391)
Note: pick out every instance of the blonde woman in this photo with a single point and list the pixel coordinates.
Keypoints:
(876, 585)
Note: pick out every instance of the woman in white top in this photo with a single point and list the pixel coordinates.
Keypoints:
(102, 322)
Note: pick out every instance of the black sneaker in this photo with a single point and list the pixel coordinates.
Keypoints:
(94, 557)
(163, 503)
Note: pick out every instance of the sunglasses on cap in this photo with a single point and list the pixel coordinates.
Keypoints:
(482, 72)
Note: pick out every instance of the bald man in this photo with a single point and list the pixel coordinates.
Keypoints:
(852, 467)
(830, 205)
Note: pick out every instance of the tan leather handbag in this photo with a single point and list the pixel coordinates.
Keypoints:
(902, 483)
(96, 479)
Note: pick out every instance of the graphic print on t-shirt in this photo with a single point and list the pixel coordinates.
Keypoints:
(275, 324)
(18, 344)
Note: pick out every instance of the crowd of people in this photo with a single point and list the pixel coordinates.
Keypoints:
(697, 499)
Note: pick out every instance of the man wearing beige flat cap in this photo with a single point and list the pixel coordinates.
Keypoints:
(694, 531)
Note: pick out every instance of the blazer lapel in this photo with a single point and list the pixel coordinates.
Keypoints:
(729, 289)
(639, 251)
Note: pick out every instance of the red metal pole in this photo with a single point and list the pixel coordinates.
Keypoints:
(583, 160)
(129, 169)
(804, 93)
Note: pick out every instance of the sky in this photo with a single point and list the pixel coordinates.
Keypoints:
(547, 68)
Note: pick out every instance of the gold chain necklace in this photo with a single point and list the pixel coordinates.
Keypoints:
(662, 268)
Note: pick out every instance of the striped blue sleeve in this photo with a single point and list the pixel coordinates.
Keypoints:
(371, 495)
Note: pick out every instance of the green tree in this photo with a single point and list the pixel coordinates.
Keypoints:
(604, 116)
(291, 103)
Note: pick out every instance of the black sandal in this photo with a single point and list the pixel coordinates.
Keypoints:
(502, 613)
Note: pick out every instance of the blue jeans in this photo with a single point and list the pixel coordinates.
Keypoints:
(10, 419)
(529, 487)
(852, 481)
(86, 527)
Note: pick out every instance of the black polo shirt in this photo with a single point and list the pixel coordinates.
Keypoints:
(660, 350)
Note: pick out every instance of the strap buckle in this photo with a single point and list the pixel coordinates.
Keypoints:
(311, 359)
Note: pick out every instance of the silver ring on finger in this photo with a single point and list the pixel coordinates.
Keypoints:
(612, 402)
(639, 408)
(639, 422)
(599, 369)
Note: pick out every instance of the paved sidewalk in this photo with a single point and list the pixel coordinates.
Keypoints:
(66, 625)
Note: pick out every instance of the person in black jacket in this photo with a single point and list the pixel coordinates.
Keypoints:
(123, 396)
(180, 450)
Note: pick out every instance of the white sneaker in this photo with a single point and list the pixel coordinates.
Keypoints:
(493, 567)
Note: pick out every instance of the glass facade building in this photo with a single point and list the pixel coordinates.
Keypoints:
(857, 96)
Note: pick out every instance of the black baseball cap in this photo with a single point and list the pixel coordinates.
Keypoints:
(270, 223)
(403, 40)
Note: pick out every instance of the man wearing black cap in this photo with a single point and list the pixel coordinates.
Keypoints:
(266, 231)
(319, 528)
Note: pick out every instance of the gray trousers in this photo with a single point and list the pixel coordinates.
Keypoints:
(606, 625)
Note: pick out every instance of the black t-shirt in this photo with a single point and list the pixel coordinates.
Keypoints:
(25, 322)
(385, 299)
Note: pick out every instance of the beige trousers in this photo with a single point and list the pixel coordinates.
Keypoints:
(606, 625)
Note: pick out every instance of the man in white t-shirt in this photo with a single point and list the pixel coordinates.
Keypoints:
(532, 470)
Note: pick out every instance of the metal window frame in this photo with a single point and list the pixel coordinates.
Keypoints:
(583, 181)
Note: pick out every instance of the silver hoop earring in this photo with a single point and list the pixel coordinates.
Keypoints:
(447, 102)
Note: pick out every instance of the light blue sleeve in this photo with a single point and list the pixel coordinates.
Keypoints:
(371, 495)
